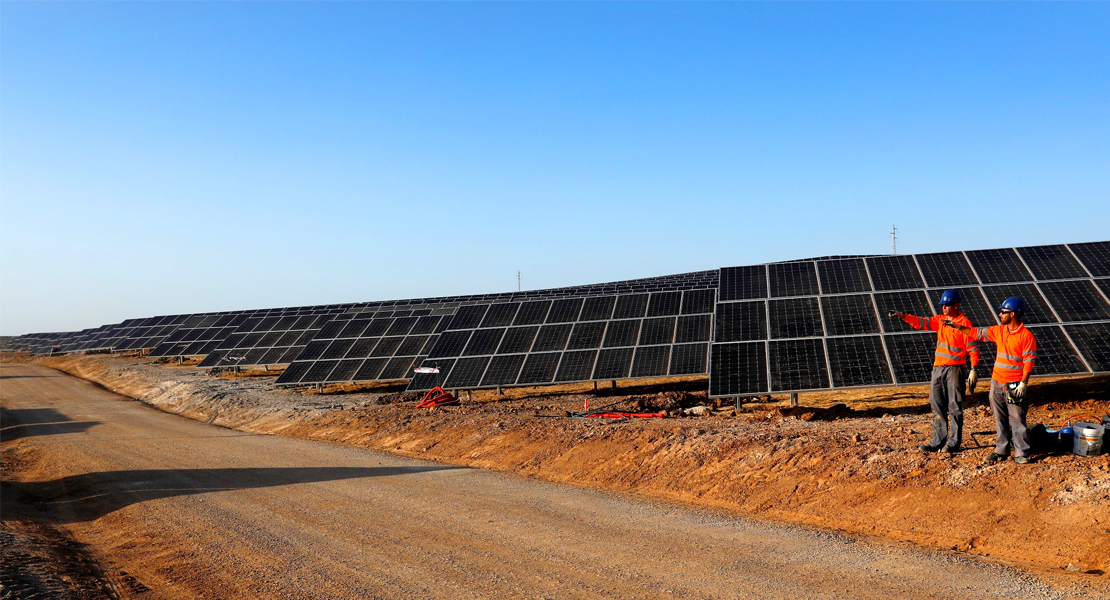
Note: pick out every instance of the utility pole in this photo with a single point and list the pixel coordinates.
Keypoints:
(893, 240)
(518, 281)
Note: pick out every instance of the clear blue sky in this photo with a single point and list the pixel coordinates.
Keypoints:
(182, 157)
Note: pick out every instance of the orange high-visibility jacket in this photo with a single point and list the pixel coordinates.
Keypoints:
(1017, 351)
(953, 347)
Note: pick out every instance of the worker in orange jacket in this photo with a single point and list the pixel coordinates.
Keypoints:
(946, 387)
(1017, 353)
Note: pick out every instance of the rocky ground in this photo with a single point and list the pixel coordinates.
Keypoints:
(844, 461)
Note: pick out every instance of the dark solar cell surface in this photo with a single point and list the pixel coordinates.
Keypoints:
(1054, 353)
(693, 328)
(1052, 262)
(911, 303)
(500, 315)
(1036, 309)
(743, 283)
(467, 372)
(650, 361)
(740, 321)
(843, 276)
(503, 369)
(1000, 265)
(530, 313)
(688, 359)
(1095, 256)
(539, 368)
(894, 272)
(1104, 285)
(849, 315)
(858, 361)
(1093, 340)
(911, 355)
(484, 341)
(565, 310)
(657, 331)
(576, 366)
(586, 335)
(795, 317)
(597, 309)
(664, 303)
(946, 269)
(1076, 300)
(621, 333)
(629, 307)
(552, 337)
(613, 363)
(792, 279)
(518, 339)
(798, 365)
(698, 301)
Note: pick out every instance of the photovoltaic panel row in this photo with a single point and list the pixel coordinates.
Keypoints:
(199, 335)
(267, 340)
(352, 348)
(573, 339)
(804, 323)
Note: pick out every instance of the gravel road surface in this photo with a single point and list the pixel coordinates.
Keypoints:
(176, 508)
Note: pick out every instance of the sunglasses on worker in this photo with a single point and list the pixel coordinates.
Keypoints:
(1005, 311)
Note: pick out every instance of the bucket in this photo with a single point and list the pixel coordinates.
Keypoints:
(1087, 439)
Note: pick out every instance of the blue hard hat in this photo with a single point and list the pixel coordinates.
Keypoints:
(1013, 303)
(950, 297)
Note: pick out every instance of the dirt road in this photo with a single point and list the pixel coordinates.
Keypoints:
(173, 508)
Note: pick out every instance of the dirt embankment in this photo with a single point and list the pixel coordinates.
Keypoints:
(846, 461)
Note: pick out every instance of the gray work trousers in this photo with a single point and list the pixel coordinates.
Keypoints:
(946, 398)
(1009, 420)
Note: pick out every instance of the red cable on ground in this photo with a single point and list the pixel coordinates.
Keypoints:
(437, 397)
(626, 415)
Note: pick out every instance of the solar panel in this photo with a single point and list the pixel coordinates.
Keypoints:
(792, 279)
(1000, 265)
(794, 318)
(739, 321)
(1076, 300)
(894, 272)
(1093, 341)
(1052, 262)
(858, 361)
(849, 315)
(621, 343)
(843, 276)
(1095, 256)
(946, 269)
(738, 368)
(812, 340)
(743, 283)
(798, 365)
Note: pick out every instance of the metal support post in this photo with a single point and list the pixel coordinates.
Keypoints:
(793, 398)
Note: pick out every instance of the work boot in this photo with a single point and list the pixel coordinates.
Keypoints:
(929, 447)
(950, 449)
(1022, 460)
(994, 457)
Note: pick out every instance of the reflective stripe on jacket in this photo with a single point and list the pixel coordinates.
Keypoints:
(1017, 351)
(953, 347)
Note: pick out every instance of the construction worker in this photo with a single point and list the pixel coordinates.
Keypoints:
(946, 387)
(1017, 353)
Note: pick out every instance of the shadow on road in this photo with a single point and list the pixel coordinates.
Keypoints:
(31, 422)
(87, 497)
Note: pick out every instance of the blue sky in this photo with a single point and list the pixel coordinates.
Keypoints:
(161, 158)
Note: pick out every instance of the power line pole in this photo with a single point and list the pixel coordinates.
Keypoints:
(893, 240)
(518, 281)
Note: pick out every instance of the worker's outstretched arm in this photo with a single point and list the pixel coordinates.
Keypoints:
(969, 332)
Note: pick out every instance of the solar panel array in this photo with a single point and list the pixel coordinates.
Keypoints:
(821, 324)
(801, 325)
(573, 339)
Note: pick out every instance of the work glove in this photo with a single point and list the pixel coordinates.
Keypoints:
(892, 313)
(1019, 391)
(972, 379)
